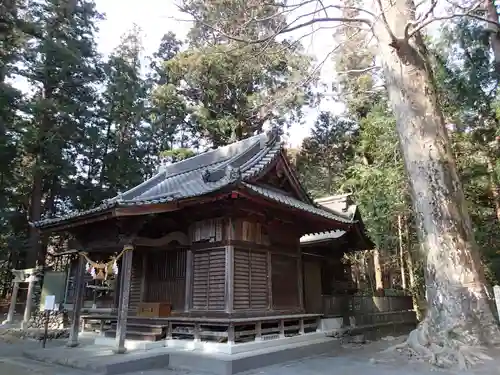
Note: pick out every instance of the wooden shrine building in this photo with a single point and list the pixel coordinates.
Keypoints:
(209, 248)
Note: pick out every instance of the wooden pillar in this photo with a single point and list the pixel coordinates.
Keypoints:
(300, 280)
(229, 287)
(126, 272)
(77, 303)
(13, 301)
(269, 281)
(230, 334)
(189, 280)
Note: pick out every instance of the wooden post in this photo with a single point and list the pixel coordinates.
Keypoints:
(229, 295)
(230, 334)
(189, 280)
(301, 327)
(269, 281)
(258, 331)
(121, 326)
(77, 303)
(300, 277)
(197, 336)
(13, 301)
(282, 328)
(169, 331)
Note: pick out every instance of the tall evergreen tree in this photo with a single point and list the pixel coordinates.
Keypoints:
(124, 147)
(235, 88)
(61, 64)
(327, 153)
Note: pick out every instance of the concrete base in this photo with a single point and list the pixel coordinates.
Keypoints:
(102, 360)
(223, 364)
(247, 347)
(129, 344)
(331, 324)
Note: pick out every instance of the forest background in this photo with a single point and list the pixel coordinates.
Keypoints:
(91, 125)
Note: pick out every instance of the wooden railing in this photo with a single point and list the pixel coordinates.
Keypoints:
(242, 329)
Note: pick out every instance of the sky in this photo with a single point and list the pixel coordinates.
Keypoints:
(157, 17)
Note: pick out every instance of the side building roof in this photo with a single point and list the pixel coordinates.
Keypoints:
(344, 205)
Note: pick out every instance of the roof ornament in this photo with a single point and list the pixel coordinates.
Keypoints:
(273, 134)
(206, 175)
(233, 174)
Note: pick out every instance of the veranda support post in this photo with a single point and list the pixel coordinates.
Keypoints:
(77, 303)
(125, 278)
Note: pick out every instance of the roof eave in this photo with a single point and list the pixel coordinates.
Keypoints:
(56, 225)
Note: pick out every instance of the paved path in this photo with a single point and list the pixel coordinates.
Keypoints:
(350, 360)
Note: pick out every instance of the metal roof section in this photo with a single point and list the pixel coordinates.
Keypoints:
(341, 203)
(323, 236)
(295, 203)
(193, 177)
(344, 204)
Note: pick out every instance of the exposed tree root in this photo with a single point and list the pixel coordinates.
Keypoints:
(455, 347)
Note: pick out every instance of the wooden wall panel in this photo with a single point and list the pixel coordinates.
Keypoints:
(250, 280)
(166, 277)
(209, 279)
(241, 279)
(210, 230)
(284, 281)
(136, 281)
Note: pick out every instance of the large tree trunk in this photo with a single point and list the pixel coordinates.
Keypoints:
(492, 15)
(458, 315)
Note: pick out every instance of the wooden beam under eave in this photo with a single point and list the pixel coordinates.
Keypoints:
(140, 210)
(76, 222)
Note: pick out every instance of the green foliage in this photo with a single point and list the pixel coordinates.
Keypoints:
(177, 154)
(233, 87)
(325, 155)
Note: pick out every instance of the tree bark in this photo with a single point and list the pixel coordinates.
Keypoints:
(492, 15)
(36, 207)
(458, 312)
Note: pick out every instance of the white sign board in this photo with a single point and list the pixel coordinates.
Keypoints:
(50, 303)
(496, 291)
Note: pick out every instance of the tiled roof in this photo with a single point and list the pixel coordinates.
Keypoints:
(209, 172)
(196, 176)
(295, 203)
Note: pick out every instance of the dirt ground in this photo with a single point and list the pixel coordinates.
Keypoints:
(365, 359)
